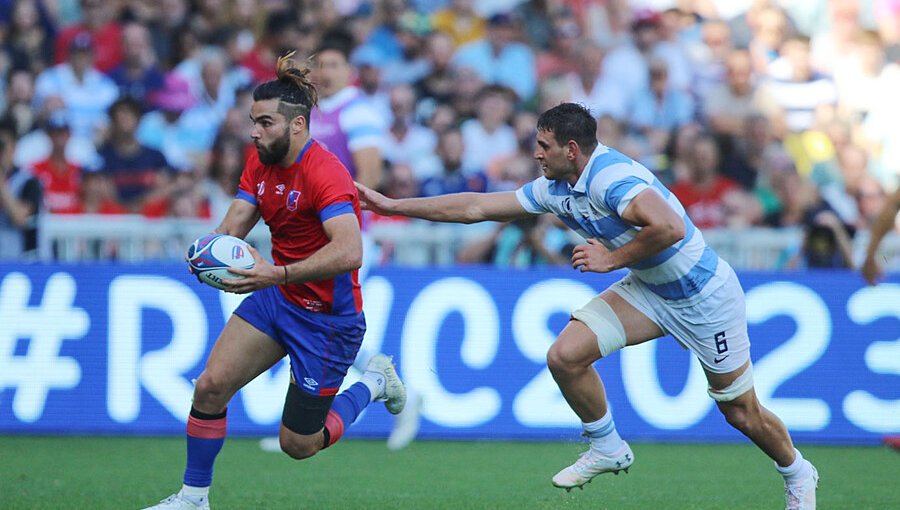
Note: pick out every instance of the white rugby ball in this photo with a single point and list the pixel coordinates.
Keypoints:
(212, 255)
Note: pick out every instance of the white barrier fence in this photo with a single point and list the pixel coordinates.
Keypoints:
(132, 238)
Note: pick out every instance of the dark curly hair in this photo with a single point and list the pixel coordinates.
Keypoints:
(295, 93)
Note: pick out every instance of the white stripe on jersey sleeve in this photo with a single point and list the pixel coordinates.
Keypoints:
(362, 124)
(533, 196)
(608, 177)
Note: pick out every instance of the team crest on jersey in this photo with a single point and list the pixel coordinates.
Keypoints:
(292, 198)
(260, 188)
(279, 189)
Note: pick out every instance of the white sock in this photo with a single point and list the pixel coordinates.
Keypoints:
(604, 437)
(375, 382)
(798, 470)
(195, 494)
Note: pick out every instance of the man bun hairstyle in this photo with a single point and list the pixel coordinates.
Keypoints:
(570, 121)
(296, 94)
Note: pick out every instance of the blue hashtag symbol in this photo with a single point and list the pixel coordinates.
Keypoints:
(44, 327)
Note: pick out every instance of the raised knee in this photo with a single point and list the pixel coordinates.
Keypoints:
(562, 360)
(297, 449)
(209, 389)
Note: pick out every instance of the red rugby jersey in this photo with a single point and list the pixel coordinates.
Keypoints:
(294, 202)
(62, 186)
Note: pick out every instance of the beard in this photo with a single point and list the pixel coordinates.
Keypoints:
(276, 151)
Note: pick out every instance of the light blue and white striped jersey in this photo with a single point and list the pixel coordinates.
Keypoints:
(593, 207)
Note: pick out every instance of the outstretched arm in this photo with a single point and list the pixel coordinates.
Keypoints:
(452, 208)
(871, 269)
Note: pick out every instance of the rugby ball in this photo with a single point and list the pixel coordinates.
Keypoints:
(212, 255)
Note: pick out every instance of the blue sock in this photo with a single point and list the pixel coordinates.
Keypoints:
(205, 437)
(350, 402)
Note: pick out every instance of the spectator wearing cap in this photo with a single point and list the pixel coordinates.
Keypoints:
(138, 173)
(99, 22)
(171, 129)
(139, 74)
(499, 59)
(60, 178)
(84, 90)
(460, 21)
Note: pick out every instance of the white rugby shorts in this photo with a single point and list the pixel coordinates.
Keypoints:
(714, 328)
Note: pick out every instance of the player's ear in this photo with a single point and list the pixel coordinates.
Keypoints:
(298, 124)
(572, 150)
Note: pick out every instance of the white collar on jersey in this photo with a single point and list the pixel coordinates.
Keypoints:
(339, 98)
(581, 185)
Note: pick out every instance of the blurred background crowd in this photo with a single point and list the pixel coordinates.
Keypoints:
(756, 113)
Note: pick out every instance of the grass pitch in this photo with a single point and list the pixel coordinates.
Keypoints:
(99, 473)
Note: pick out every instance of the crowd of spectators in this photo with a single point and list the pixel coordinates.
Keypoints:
(755, 112)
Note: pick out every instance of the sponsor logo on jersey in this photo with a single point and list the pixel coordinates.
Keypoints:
(260, 188)
(292, 198)
(310, 383)
(279, 189)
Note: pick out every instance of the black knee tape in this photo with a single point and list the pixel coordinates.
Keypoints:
(304, 413)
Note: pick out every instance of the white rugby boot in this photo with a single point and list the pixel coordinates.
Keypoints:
(592, 463)
(180, 502)
(802, 494)
(394, 394)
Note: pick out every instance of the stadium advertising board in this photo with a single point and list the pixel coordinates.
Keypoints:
(111, 349)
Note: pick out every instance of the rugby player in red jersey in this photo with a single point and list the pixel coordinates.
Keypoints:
(306, 305)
